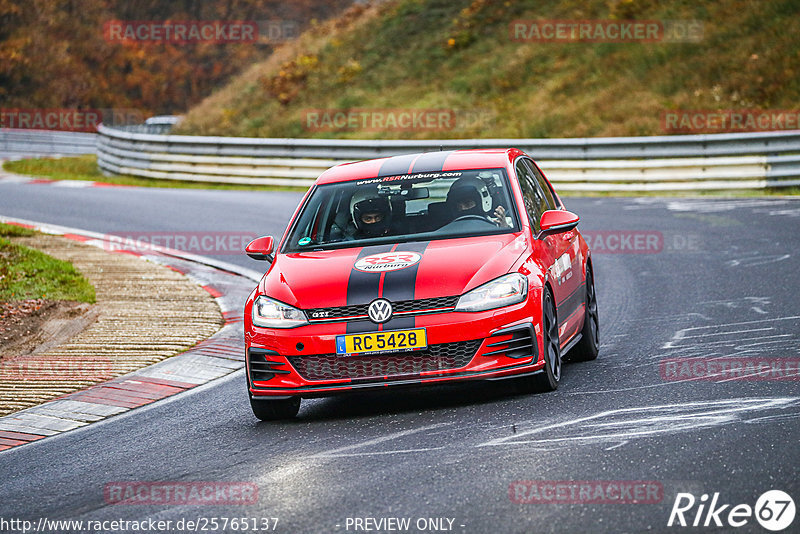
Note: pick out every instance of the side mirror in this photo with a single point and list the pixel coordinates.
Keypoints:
(557, 222)
(260, 248)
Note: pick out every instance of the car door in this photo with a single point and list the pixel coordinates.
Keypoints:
(556, 257)
(567, 269)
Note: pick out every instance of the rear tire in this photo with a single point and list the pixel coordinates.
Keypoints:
(588, 347)
(275, 409)
(550, 376)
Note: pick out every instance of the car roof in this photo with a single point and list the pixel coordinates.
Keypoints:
(485, 158)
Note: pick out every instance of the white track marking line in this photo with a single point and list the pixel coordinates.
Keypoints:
(752, 261)
(682, 333)
(730, 332)
(746, 376)
(375, 441)
(375, 453)
(675, 417)
(738, 342)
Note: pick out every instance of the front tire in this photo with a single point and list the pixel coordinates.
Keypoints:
(550, 376)
(588, 347)
(275, 409)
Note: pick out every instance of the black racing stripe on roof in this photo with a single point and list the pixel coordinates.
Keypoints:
(397, 165)
(431, 161)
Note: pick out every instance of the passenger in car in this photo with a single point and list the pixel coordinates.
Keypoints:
(470, 196)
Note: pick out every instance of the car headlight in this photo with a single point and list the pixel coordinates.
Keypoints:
(271, 313)
(504, 291)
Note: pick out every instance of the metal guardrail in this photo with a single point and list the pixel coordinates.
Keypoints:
(660, 163)
(34, 142)
(670, 146)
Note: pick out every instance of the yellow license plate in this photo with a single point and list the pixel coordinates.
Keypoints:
(393, 340)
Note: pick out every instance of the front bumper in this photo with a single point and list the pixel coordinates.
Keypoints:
(303, 362)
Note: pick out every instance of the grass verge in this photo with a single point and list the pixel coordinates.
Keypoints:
(26, 273)
(12, 230)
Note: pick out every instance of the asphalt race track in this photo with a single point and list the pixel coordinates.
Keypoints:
(711, 279)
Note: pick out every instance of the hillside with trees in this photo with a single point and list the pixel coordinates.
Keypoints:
(467, 58)
(58, 53)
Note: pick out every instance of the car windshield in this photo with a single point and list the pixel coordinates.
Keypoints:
(405, 207)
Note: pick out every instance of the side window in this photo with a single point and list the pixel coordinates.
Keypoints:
(535, 202)
(543, 187)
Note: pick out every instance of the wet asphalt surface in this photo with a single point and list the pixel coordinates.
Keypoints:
(721, 283)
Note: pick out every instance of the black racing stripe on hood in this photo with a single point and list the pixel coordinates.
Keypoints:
(431, 161)
(362, 288)
(401, 285)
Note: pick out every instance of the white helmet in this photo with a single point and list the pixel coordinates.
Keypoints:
(470, 188)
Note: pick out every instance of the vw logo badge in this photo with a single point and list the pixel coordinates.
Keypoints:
(380, 310)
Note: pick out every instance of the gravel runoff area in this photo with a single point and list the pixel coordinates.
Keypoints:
(145, 313)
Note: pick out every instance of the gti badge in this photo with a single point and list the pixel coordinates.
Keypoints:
(380, 310)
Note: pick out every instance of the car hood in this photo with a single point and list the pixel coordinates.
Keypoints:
(416, 270)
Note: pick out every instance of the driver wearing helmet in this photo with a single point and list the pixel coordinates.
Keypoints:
(470, 196)
(372, 214)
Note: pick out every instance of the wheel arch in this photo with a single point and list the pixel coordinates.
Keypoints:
(589, 266)
(547, 285)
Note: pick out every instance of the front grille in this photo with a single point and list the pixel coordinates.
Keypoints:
(359, 311)
(435, 358)
(424, 304)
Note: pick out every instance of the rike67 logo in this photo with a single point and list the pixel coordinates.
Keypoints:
(387, 261)
(774, 510)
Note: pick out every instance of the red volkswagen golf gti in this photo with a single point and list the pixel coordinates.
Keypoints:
(420, 269)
